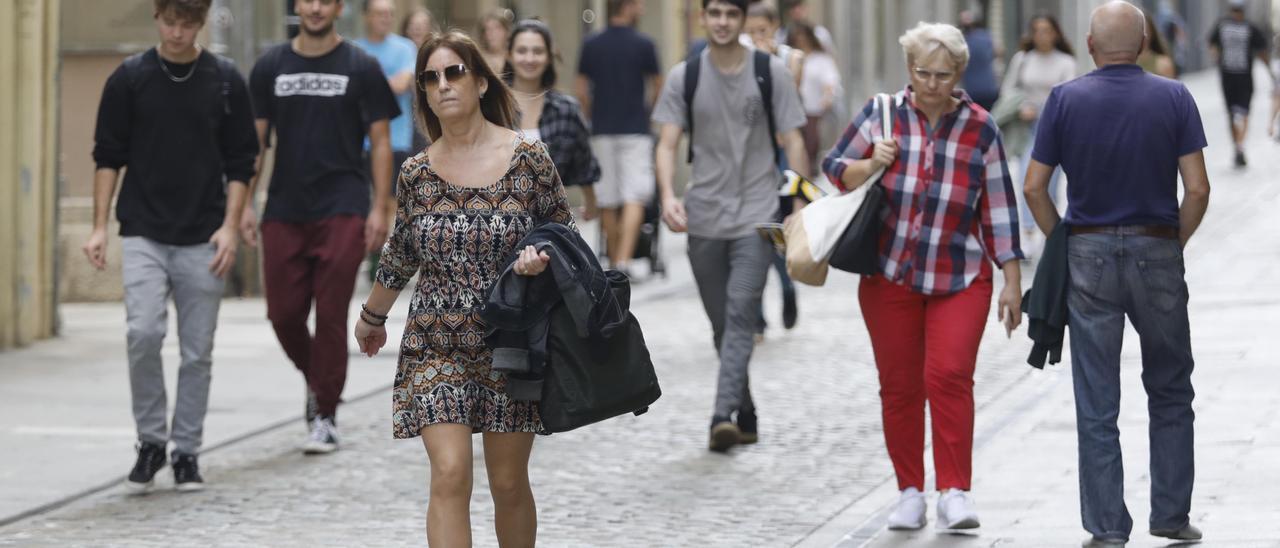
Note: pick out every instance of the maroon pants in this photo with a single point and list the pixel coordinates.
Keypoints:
(305, 262)
(926, 348)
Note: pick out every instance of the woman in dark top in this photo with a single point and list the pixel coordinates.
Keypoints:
(463, 206)
(548, 115)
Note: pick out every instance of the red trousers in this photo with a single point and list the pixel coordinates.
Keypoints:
(305, 262)
(926, 348)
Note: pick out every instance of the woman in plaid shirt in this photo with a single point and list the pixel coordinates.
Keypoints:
(548, 115)
(949, 215)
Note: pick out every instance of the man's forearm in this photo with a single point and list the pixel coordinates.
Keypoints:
(381, 158)
(664, 165)
(1194, 206)
(797, 156)
(1036, 191)
(104, 188)
(237, 195)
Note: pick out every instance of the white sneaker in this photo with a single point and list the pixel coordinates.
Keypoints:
(956, 510)
(323, 437)
(908, 514)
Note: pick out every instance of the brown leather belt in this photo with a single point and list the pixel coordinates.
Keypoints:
(1154, 231)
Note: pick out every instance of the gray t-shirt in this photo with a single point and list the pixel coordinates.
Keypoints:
(735, 180)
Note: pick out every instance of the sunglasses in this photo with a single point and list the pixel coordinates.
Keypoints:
(431, 78)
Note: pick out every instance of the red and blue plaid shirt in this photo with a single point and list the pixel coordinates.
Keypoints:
(949, 202)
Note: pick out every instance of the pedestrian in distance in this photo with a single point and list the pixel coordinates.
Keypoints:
(618, 81)
(548, 115)
(945, 222)
(820, 88)
(1123, 136)
(980, 76)
(445, 386)
(177, 118)
(734, 186)
(1156, 57)
(417, 27)
(395, 54)
(1234, 43)
(492, 33)
(1045, 59)
(763, 24)
(322, 95)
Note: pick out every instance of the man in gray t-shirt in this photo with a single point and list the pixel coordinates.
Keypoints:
(734, 186)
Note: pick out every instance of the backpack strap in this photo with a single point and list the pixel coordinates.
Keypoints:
(764, 79)
(226, 73)
(692, 66)
(134, 71)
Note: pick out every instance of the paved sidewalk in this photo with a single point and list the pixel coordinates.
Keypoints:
(819, 477)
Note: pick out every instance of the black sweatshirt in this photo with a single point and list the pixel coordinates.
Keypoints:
(180, 143)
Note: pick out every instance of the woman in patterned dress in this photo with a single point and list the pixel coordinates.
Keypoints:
(464, 204)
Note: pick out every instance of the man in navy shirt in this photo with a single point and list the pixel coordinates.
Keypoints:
(1122, 136)
(612, 72)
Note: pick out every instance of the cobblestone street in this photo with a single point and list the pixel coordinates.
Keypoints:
(819, 476)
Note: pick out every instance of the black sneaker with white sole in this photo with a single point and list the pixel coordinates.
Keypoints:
(186, 473)
(150, 460)
(323, 437)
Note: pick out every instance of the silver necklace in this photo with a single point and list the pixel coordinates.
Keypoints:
(191, 72)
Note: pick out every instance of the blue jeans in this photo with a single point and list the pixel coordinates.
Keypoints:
(1113, 276)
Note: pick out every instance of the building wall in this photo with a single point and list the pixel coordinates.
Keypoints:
(28, 172)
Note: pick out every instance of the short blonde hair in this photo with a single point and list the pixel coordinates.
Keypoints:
(926, 38)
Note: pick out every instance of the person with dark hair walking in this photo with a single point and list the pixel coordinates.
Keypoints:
(734, 186)
(548, 115)
(980, 76)
(618, 80)
(323, 96)
(1044, 59)
(177, 118)
(1234, 43)
(446, 388)
(1123, 137)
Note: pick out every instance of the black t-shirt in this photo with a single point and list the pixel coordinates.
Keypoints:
(1238, 42)
(618, 61)
(321, 108)
(179, 143)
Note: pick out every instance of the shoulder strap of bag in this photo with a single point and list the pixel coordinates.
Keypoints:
(692, 66)
(225, 69)
(764, 79)
(884, 103)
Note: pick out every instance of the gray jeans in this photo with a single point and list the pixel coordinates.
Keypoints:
(731, 275)
(1114, 276)
(152, 272)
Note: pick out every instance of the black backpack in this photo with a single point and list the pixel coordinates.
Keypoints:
(764, 79)
(136, 71)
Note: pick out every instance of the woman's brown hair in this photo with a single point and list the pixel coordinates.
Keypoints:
(497, 105)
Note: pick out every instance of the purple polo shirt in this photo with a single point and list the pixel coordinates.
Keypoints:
(1118, 132)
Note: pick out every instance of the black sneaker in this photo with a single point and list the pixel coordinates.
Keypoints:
(1240, 161)
(186, 473)
(323, 437)
(747, 428)
(789, 311)
(150, 460)
(312, 407)
(724, 434)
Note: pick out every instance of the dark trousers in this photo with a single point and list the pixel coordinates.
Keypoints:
(1114, 276)
(313, 262)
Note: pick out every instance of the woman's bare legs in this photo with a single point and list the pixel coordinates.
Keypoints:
(449, 508)
(506, 458)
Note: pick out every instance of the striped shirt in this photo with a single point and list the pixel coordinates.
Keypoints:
(949, 202)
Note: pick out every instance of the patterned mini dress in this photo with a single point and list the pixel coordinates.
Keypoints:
(458, 240)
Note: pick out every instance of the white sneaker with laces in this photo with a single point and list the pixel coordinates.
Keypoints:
(323, 437)
(956, 510)
(908, 514)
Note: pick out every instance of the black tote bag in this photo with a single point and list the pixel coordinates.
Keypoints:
(858, 249)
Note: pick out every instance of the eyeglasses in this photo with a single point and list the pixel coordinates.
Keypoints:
(431, 78)
(940, 77)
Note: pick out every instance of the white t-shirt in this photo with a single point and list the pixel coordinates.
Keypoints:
(820, 73)
(1036, 73)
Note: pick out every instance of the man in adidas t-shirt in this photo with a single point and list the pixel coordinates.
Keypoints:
(322, 95)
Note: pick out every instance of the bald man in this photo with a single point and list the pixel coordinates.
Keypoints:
(1122, 136)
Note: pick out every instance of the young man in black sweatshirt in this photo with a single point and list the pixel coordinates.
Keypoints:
(179, 119)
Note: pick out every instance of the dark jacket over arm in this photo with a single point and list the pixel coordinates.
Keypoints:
(1046, 302)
